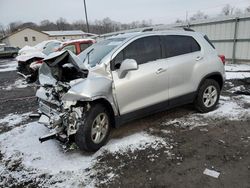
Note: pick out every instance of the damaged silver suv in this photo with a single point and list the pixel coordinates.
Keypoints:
(123, 78)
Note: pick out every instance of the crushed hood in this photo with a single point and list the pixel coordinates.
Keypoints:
(63, 59)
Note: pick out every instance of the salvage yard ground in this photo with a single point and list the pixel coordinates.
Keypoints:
(168, 149)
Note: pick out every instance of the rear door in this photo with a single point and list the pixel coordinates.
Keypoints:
(182, 53)
(143, 87)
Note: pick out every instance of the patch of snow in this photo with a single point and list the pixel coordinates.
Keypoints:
(224, 98)
(244, 98)
(14, 119)
(237, 75)
(137, 141)
(237, 67)
(50, 158)
(9, 66)
(228, 108)
(20, 83)
(238, 88)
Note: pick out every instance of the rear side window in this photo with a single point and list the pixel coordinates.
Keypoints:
(176, 45)
(142, 50)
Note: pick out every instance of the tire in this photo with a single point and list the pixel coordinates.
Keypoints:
(85, 137)
(208, 96)
(14, 55)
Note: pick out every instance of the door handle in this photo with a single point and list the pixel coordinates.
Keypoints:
(160, 70)
(198, 58)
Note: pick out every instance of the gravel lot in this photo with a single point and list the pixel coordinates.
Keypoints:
(169, 149)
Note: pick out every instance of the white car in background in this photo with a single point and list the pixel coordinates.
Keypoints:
(34, 54)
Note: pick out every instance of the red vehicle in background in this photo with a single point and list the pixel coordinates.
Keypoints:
(77, 46)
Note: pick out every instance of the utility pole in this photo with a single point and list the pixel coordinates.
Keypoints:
(187, 17)
(86, 15)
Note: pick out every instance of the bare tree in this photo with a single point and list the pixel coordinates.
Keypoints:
(199, 16)
(2, 31)
(227, 10)
(238, 12)
(14, 26)
(62, 24)
(247, 10)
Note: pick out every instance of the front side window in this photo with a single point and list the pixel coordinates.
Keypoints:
(176, 45)
(142, 50)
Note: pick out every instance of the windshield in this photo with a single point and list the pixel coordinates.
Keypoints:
(41, 45)
(51, 47)
(95, 53)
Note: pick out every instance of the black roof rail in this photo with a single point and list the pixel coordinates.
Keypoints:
(147, 29)
(188, 29)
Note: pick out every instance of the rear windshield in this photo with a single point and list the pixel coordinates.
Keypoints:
(207, 39)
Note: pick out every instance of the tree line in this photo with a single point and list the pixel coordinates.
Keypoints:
(107, 25)
(98, 27)
(227, 10)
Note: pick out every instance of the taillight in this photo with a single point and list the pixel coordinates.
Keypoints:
(223, 59)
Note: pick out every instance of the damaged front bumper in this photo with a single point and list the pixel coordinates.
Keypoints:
(62, 122)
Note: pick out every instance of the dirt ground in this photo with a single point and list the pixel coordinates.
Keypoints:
(220, 142)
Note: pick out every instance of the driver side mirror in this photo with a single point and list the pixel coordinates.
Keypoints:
(126, 66)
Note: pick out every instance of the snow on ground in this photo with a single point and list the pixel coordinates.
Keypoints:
(8, 66)
(232, 71)
(14, 119)
(19, 83)
(229, 108)
(49, 157)
(237, 75)
(237, 67)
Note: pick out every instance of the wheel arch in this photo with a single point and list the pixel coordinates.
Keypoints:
(214, 76)
(106, 104)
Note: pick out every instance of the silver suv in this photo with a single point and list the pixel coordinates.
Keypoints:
(123, 78)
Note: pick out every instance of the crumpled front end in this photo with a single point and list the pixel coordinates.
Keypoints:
(65, 93)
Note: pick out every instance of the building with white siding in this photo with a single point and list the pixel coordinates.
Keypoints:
(31, 37)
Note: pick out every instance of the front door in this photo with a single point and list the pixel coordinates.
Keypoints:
(143, 87)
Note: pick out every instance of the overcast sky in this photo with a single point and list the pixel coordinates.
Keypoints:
(159, 11)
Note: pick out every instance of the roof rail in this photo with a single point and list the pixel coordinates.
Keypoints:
(188, 29)
(147, 29)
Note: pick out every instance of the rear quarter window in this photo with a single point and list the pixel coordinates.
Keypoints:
(176, 45)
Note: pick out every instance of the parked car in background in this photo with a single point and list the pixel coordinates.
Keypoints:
(77, 46)
(28, 54)
(123, 78)
(8, 51)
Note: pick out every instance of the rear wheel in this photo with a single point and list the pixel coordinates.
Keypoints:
(93, 133)
(208, 96)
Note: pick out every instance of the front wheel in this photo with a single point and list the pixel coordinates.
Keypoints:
(208, 96)
(93, 133)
